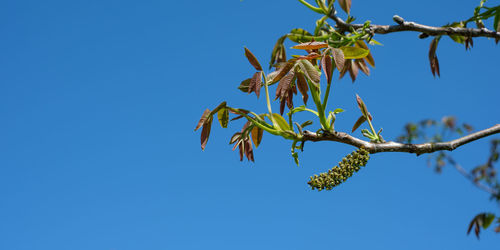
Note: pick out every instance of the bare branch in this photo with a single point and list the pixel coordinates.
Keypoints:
(392, 146)
(403, 25)
(464, 172)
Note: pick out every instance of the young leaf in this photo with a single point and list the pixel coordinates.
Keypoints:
(284, 70)
(255, 83)
(354, 52)
(362, 66)
(362, 106)
(369, 57)
(253, 60)
(278, 53)
(326, 64)
(299, 36)
(345, 5)
(202, 119)
(284, 85)
(205, 132)
(358, 123)
(433, 57)
(310, 71)
(353, 71)
(223, 116)
(338, 110)
(311, 45)
(303, 88)
(244, 85)
(338, 57)
(257, 134)
(281, 122)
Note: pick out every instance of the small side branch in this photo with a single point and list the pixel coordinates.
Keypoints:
(392, 146)
(466, 174)
(403, 25)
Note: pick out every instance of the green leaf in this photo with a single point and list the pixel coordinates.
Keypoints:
(306, 123)
(257, 134)
(338, 110)
(310, 71)
(496, 22)
(281, 122)
(354, 52)
(223, 116)
(488, 219)
(299, 36)
(295, 158)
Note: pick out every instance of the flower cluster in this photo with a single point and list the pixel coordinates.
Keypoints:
(338, 174)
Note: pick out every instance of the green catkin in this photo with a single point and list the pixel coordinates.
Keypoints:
(338, 174)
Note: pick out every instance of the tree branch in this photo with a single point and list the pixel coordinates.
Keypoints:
(464, 172)
(402, 25)
(392, 146)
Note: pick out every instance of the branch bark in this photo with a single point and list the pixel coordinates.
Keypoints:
(392, 146)
(403, 25)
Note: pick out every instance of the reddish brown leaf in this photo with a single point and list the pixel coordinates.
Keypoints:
(202, 119)
(353, 71)
(303, 88)
(369, 57)
(345, 5)
(255, 83)
(362, 106)
(282, 71)
(362, 66)
(289, 98)
(310, 71)
(282, 105)
(338, 57)
(205, 132)
(248, 150)
(253, 60)
(433, 57)
(311, 45)
(358, 123)
(257, 134)
(326, 65)
(284, 85)
(345, 69)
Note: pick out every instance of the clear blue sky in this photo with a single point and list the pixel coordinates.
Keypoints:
(99, 99)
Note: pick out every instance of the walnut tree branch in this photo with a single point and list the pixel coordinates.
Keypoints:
(392, 146)
(471, 178)
(403, 25)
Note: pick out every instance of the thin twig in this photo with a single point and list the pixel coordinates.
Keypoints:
(467, 175)
(392, 146)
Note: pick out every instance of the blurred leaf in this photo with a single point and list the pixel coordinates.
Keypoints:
(362, 65)
(488, 219)
(496, 21)
(311, 45)
(223, 116)
(354, 52)
(358, 123)
(253, 60)
(202, 119)
(310, 71)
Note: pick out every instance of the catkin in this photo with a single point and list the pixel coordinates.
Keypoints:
(338, 174)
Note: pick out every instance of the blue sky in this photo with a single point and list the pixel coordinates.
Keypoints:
(98, 101)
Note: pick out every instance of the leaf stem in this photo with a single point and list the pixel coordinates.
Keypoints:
(315, 92)
(268, 99)
(315, 9)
